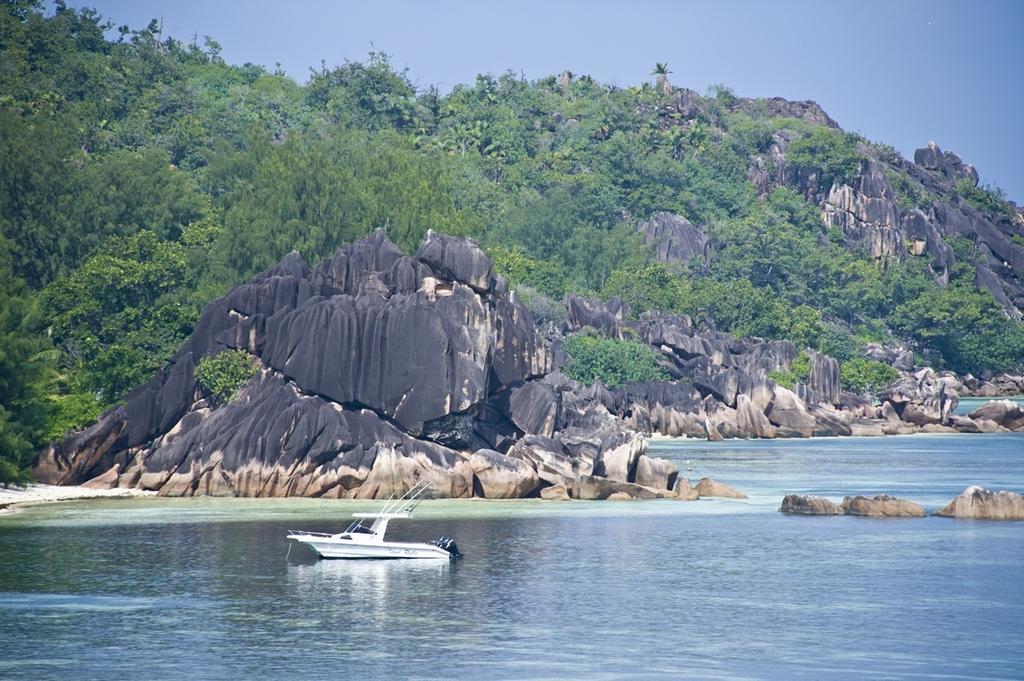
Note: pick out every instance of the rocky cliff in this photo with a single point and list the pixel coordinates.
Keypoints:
(917, 219)
(376, 370)
(721, 387)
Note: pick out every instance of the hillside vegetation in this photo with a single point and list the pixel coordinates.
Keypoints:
(142, 177)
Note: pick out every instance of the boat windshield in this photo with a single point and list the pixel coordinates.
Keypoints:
(357, 528)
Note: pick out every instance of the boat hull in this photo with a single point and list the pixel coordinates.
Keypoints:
(329, 547)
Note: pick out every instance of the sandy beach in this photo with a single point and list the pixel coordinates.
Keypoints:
(13, 497)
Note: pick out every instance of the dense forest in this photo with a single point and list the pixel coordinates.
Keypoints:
(141, 177)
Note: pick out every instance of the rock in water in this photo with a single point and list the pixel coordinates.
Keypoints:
(808, 505)
(982, 504)
(706, 487)
(1005, 413)
(881, 506)
(593, 487)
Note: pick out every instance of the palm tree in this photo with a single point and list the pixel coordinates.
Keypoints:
(565, 80)
(661, 71)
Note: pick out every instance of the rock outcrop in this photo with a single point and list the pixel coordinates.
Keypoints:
(808, 505)
(376, 370)
(982, 504)
(866, 214)
(675, 239)
(881, 506)
(706, 487)
(923, 398)
(1004, 413)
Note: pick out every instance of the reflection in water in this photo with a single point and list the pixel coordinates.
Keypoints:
(661, 589)
(365, 583)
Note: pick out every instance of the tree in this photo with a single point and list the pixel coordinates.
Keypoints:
(661, 72)
(224, 373)
(26, 368)
(613, 362)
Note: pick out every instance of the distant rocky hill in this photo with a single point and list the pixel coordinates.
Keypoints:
(378, 369)
(916, 218)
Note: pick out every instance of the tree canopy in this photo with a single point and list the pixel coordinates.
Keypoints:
(141, 177)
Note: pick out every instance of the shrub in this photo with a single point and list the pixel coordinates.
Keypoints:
(866, 375)
(988, 199)
(613, 362)
(831, 153)
(543, 308)
(799, 370)
(224, 373)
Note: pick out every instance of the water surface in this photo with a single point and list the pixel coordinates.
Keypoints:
(170, 588)
(969, 404)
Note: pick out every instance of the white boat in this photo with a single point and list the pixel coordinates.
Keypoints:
(362, 541)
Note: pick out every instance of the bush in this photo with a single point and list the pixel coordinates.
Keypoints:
(544, 309)
(831, 153)
(988, 199)
(224, 373)
(799, 370)
(613, 362)
(866, 375)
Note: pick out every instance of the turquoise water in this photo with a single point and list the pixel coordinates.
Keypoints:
(969, 404)
(159, 588)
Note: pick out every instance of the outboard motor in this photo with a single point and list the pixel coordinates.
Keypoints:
(448, 544)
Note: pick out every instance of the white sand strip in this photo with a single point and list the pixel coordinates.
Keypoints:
(42, 494)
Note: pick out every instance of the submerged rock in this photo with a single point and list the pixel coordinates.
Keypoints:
(982, 504)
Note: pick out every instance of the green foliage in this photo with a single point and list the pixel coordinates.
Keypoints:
(611, 361)
(963, 328)
(114, 316)
(26, 368)
(311, 195)
(831, 153)
(141, 177)
(985, 198)
(649, 288)
(866, 375)
(71, 412)
(520, 270)
(554, 229)
(544, 309)
(909, 192)
(799, 370)
(221, 375)
(368, 96)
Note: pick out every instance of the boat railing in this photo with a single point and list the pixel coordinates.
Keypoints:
(303, 533)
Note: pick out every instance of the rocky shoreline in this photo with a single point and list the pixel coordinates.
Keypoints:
(377, 370)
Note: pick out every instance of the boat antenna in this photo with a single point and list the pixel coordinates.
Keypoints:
(414, 491)
(416, 498)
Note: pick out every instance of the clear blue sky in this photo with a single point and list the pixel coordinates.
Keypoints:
(901, 72)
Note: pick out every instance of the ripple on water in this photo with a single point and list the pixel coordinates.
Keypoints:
(714, 589)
